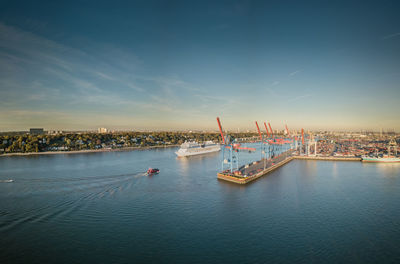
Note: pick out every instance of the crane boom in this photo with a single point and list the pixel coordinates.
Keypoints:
(259, 132)
(266, 128)
(220, 130)
(272, 133)
(287, 130)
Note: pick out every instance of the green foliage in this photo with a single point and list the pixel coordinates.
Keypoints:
(80, 141)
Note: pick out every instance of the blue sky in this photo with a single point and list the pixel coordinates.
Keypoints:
(179, 64)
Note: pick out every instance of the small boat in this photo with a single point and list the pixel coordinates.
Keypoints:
(152, 171)
(6, 180)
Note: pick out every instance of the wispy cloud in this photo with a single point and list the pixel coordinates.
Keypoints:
(391, 35)
(104, 76)
(35, 71)
(299, 97)
(275, 83)
(294, 73)
(71, 70)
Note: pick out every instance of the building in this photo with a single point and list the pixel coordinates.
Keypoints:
(54, 132)
(102, 130)
(36, 131)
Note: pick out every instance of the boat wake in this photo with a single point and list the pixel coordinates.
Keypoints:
(140, 175)
(78, 194)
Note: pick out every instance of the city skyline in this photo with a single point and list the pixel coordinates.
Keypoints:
(175, 65)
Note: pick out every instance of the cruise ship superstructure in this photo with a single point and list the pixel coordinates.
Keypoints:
(193, 148)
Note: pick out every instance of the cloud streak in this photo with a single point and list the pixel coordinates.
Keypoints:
(391, 35)
(38, 74)
(299, 98)
(294, 73)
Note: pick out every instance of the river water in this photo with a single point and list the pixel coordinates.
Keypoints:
(102, 208)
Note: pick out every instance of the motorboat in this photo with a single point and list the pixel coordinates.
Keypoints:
(152, 171)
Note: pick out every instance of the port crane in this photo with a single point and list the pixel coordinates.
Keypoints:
(266, 129)
(272, 133)
(302, 140)
(271, 145)
(287, 130)
(306, 144)
(274, 143)
(233, 147)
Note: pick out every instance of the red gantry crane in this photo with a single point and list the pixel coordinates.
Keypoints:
(259, 132)
(275, 146)
(233, 147)
(272, 133)
(266, 128)
(287, 130)
(220, 130)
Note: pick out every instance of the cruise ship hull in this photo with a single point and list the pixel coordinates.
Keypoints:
(380, 160)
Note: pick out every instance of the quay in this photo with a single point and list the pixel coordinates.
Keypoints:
(257, 169)
(246, 179)
(329, 158)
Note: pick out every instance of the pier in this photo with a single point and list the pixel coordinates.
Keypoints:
(257, 169)
(257, 174)
(329, 158)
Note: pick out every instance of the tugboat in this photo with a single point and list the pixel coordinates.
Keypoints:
(152, 171)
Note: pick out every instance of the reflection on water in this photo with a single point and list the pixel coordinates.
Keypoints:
(388, 169)
(103, 208)
(183, 162)
(311, 167)
(335, 173)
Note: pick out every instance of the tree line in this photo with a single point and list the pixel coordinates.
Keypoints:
(85, 141)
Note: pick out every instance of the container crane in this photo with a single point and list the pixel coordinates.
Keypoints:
(272, 133)
(259, 132)
(287, 130)
(266, 128)
(220, 130)
(233, 147)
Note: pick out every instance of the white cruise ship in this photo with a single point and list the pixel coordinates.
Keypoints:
(193, 148)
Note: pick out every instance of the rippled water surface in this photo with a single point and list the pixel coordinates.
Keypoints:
(102, 208)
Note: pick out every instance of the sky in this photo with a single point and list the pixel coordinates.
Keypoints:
(174, 65)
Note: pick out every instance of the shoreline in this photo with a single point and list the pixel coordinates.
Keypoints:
(85, 151)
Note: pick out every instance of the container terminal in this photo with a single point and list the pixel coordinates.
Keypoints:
(275, 151)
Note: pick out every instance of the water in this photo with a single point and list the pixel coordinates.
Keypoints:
(101, 208)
